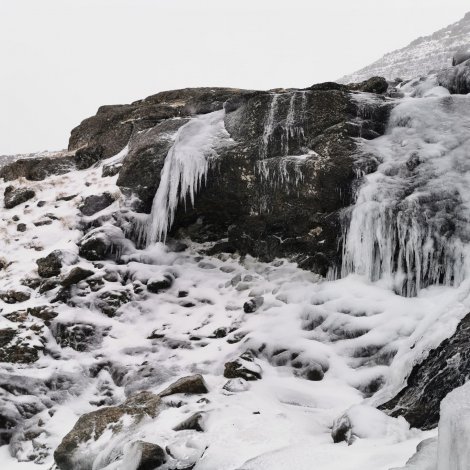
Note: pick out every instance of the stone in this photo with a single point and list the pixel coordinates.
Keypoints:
(13, 197)
(90, 426)
(44, 312)
(342, 430)
(103, 242)
(444, 369)
(193, 423)
(194, 384)
(110, 301)
(88, 156)
(50, 265)
(38, 168)
(14, 296)
(243, 367)
(151, 456)
(456, 79)
(96, 203)
(75, 275)
(253, 305)
(372, 85)
(236, 385)
(15, 349)
(160, 284)
(78, 336)
(21, 227)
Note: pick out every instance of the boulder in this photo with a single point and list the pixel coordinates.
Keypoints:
(150, 456)
(96, 203)
(75, 275)
(16, 349)
(14, 296)
(243, 367)
(88, 156)
(77, 450)
(444, 369)
(50, 265)
(194, 384)
(456, 79)
(38, 168)
(194, 423)
(104, 242)
(160, 284)
(78, 336)
(110, 301)
(13, 197)
(372, 85)
(253, 304)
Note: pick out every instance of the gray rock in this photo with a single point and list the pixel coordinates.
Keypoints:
(253, 304)
(91, 426)
(51, 265)
(13, 197)
(75, 275)
(151, 456)
(78, 336)
(21, 227)
(445, 368)
(160, 284)
(14, 296)
(194, 423)
(342, 430)
(96, 203)
(38, 168)
(194, 384)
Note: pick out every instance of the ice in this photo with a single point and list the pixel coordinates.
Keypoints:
(185, 170)
(410, 223)
(454, 430)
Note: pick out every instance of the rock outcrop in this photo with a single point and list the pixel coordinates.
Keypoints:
(444, 369)
(277, 189)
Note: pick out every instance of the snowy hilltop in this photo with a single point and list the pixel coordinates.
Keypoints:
(217, 278)
(423, 55)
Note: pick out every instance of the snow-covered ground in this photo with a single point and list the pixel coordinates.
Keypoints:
(317, 348)
(359, 334)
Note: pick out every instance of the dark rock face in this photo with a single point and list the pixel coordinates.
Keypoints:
(446, 367)
(51, 265)
(88, 156)
(194, 384)
(372, 85)
(78, 336)
(160, 284)
(90, 426)
(14, 197)
(253, 304)
(194, 422)
(103, 242)
(456, 79)
(151, 455)
(277, 191)
(14, 349)
(113, 126)
(38, 168)
(96, 203)
(75, 275)
(243, 367)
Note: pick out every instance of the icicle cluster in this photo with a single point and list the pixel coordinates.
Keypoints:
(184, 171)
(411, 219)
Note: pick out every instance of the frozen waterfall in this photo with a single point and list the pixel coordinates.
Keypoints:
(185, 169)
(410, 223)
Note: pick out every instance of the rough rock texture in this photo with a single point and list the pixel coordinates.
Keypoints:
(445, 368)
(50, 265)
(278, 189)
(151, 455)
(113, 125)
(39, 167)
(13, 197)
(194, 384)
(95, 203)
(90, 426)
(456, 79)
(75, 275)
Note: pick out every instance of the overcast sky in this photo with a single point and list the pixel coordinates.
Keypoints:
(62, 59)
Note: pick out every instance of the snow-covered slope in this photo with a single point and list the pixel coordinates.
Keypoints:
(421, 56)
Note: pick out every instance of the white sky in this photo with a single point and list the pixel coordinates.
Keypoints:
(61, 59)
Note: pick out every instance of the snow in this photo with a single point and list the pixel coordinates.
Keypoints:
(357, 332)
(454, 430)
(410, 222)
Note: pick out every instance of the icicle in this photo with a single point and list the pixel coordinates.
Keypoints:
(411, 220)
(185, 169)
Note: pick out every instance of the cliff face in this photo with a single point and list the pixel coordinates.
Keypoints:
(274, 190)
(423, 55)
